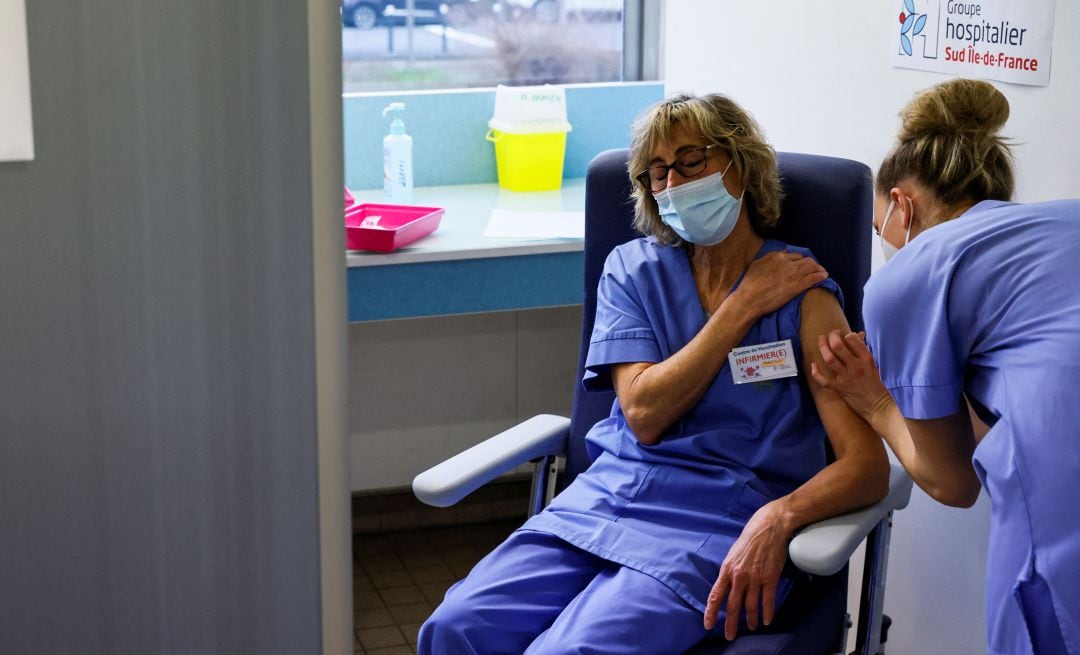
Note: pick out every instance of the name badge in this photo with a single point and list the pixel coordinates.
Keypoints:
(765, 361)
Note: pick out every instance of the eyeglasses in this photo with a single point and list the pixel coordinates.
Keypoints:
(690, 163)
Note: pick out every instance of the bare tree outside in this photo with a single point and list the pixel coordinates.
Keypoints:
(479, 43)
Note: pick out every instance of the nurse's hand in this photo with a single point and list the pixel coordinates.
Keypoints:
(774, 279)
(750, 573)
(850, 371)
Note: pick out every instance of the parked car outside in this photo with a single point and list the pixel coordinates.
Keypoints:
(553, 11)
(366, 14)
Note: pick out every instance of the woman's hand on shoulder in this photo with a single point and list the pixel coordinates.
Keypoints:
(776, 278)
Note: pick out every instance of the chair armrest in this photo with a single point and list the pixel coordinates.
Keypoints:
(448, 482)
(823, 548)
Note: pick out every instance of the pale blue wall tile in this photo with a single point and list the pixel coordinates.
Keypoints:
(448, 137)
(601, 117)
(448, 129)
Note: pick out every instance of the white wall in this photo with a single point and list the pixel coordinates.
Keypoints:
(817, 77)
(423, 390)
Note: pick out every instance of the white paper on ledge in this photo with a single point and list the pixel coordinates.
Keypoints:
(510, 224)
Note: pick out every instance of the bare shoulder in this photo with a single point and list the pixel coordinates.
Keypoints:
(821, 312)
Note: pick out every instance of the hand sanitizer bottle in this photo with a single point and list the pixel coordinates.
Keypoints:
(397, 158)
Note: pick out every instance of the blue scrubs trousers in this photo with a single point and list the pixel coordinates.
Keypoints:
(539, 595)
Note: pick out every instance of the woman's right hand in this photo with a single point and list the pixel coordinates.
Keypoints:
(848, 368)
(776, 278)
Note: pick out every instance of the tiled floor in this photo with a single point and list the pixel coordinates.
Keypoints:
(399, 578)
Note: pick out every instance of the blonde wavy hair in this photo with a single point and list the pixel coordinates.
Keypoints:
(720, 121)
(949, 142)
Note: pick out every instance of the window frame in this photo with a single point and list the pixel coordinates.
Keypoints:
(642, 30)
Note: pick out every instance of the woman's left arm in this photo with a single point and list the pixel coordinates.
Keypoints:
(935, 452)
(859, 476)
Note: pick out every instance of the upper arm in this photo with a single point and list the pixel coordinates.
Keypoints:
(848, 433)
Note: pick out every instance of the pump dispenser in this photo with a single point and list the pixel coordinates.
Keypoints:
(397, 157)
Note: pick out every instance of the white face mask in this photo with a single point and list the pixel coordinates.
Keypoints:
(888, 249)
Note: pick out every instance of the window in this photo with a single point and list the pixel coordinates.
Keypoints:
(394, 45)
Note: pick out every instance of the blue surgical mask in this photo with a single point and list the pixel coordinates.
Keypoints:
(701, 212)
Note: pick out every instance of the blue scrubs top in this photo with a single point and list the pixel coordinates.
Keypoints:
(674, 509)
(988, 305)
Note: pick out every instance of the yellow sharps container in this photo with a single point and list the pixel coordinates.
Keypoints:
(529, 130)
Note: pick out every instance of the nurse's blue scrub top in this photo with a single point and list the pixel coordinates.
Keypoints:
(988, 305)
(674, 509)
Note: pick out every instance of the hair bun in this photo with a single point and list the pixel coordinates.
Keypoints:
(957, 106)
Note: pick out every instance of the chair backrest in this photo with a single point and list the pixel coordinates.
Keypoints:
(827, 207)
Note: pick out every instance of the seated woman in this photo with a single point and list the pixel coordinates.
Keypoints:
(698, 482)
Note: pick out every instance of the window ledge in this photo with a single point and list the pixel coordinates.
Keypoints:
(468, 209)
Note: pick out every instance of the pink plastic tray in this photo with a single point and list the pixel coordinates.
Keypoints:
(385, 228)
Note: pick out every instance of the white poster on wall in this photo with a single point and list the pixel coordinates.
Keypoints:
(1002, 40)
(16, 129)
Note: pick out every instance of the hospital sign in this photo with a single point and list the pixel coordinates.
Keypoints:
(1001, 40)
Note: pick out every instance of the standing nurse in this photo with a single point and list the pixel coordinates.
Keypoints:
(979, 308)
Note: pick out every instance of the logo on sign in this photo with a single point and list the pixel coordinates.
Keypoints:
(918, 31)
(1007, 40)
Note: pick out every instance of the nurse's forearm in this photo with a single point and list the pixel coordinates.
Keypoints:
(977, 426)
(888, 422)
(942, 461)
(654, 396)
(936, 453)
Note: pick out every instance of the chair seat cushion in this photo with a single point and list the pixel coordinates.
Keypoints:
(813, 614)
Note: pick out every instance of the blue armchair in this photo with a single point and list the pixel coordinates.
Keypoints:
(827, 208)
